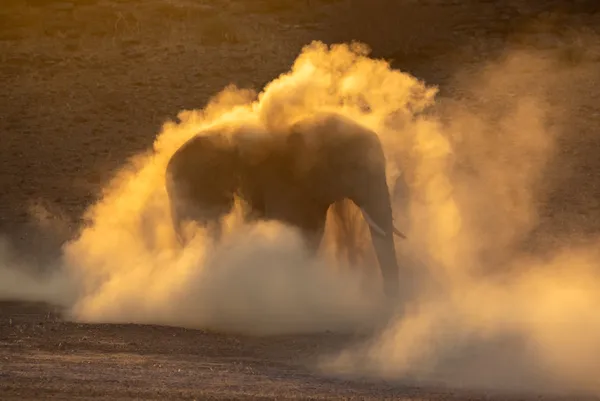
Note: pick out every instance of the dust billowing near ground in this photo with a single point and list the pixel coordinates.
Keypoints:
(483, 312)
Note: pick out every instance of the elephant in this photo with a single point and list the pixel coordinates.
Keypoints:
(293, 176)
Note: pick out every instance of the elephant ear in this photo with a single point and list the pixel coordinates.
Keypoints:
(301, 153)
(252, 147)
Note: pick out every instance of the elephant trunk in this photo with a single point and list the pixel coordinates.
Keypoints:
(377, 210)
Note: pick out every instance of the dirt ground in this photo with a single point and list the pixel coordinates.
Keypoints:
(86, 84)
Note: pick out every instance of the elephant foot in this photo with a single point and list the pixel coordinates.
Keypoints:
(401, 296)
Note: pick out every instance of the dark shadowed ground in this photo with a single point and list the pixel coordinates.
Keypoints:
(86, 84)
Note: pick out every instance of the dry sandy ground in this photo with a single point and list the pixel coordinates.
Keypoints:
(86, 84)
(45, 358)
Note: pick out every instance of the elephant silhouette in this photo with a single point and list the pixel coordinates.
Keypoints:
(293, 177)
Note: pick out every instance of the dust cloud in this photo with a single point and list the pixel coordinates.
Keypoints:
(490, 313)
(127, 266)
(466, 170)
(20, 281)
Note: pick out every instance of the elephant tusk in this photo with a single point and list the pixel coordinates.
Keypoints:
(378, 229)
(399, 233)
(372, 223)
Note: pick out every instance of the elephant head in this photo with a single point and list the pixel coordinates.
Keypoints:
(339, 159)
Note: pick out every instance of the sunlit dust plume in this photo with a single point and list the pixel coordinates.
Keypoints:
(258, 279)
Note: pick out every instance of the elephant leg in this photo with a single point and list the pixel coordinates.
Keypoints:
(208, 216)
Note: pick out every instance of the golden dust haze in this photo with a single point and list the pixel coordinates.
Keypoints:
(483, 313)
